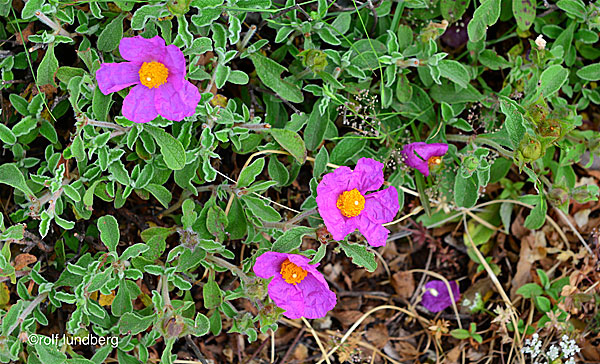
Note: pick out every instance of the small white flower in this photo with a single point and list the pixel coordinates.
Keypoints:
(553, 352)
(540, 42)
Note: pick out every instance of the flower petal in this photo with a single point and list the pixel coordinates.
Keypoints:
(138, 105)
(368, 174)
(441, 299)
(174, 61)
(113, 77)
(141, 49)
(427, 151)
(175, 103)
(287, 296)
(382, 206)
(318, 298)
(328, 191)
(269, 264)
(375, 234)
(413, 160)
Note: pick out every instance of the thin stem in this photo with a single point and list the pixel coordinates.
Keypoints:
(29, 309)
(225, 264)
(481, 139)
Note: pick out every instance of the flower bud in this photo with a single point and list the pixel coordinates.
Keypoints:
(558, 196)
(530, 148)
(314, 59)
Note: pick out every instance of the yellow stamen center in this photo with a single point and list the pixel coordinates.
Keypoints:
(351, 203)
(291, 273)
(153, 74)
(434, 161)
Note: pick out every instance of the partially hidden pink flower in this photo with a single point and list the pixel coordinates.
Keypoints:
(158, 73)
(345, 206)
(422, 156)
(437, 298)
(297, 287)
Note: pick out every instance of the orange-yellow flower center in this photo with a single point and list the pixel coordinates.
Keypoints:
(351, 203)
(291, 273)
(434, 161)
(153, 74)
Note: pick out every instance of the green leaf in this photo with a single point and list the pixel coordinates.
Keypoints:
(170, 148)
(290, 141)
(12, 176)
(202, 324)
(460, 334)
(524, 12)
(314, 133)
(109, 38)
(465, 191)
(212, 294)
(347, 148)
(77, 148)
(269, 73)
(30, 8)
(24, 126)
(49, 354)
(277, 171)
(260, 209)
(248, 174)
(162, 194)
(132, 324)
(537, 216)
(485, 16)
(122, 302)
(147, 12)
(552, 79)
(360, 256)
(291, 239)
(455, 72)
(574, 8)
(514, 122)
(101, 104)
(47, 68)
(453, 10)
(589, 73)
(216, 222)
(19, 103)
(47, 131)
(530, 290)
(321, 161)
(6, 135)
(109, 231)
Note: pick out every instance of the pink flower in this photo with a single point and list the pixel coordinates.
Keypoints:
(344, 205)
(297, 287)
(437, 298)
(158, 73)
(422, 155)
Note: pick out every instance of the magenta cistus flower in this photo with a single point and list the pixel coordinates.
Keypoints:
(421, 155)
(158, 73)
(297, 287)
(344, 205)
(437, 298)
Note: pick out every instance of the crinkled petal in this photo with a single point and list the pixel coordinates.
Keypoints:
(382, 206)
(369, 175)
(442, 301)
(269, 264)
(113, 77)
(287, 296)
(175, 103)
(174, 60)
(328, 191)
(141, 49)
(318, 298)
(414, 161)
(427, 151)
(138, 105)
(375, 234)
